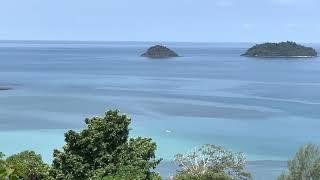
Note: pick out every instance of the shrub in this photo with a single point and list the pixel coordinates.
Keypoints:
(211, 162)
(305, 165)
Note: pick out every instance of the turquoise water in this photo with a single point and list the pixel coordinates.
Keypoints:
(265, 108)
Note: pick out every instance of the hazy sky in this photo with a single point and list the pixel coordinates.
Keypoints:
(161, 20)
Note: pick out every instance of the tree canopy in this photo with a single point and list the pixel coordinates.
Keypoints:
(305, 165)
(25, 165)
(211, 162)
(104, 149)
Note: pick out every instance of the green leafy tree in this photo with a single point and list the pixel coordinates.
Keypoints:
(211, 162)
(208, 175)
(2, 161)
(25, 165)
(305, 165)
(104, 149)
(8, 173)
(5, 171)
(130, 173)
(29, 165)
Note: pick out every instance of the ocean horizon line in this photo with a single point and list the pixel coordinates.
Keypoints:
(140, 41)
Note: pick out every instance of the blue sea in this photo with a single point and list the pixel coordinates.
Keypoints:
(265, 108)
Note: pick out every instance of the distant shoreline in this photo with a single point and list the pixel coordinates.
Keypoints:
(133, 41)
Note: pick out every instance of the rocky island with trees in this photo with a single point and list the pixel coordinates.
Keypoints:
(4, 88)
(159, 51)
(283, 49)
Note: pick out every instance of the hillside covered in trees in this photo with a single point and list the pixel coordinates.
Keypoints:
(282, 49)
(159, 51)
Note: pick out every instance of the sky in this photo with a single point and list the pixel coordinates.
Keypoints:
(161, 20)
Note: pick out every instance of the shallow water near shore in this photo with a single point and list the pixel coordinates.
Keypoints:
(266, 108)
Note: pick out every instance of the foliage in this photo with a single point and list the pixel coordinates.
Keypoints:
(211, 160)
(130, 173)
(24, 165)
(208, 175)
(104, 149)
(6, 172)
(305, 165)
(282, 49)
(29, 165)
(2, 161)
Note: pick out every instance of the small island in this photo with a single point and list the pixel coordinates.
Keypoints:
(4, 88)
(283, 49)
(159, 51)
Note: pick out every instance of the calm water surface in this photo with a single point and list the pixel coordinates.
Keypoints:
(263, 107)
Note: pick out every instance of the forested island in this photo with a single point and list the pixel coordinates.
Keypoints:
(4, 88)
(159, 51)
(282, 49)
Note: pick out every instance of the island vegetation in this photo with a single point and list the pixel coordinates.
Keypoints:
(282, 49)
(159, 51)
(4, 88)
